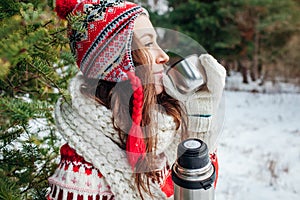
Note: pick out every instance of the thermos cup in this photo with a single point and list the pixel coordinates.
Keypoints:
(193, 173)
(188, 75)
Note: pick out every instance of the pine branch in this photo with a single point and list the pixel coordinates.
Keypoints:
(34, 51)
(8, 189)
(61, 91)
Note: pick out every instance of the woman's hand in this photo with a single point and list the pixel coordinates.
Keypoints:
(203, 104)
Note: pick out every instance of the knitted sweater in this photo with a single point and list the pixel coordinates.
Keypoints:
(92, 165)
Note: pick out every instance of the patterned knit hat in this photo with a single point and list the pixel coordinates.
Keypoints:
(103, 51)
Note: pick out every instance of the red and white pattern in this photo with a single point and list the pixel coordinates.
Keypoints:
(108, 29)
(76, 179)
(88, 128)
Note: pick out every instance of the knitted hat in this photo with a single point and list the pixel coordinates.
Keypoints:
(102, 48)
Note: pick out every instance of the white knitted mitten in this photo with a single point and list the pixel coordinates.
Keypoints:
(203, 104)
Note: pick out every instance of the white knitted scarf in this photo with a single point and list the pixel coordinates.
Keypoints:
(87, 127)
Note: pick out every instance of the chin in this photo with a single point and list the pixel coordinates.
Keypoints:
(159, 89)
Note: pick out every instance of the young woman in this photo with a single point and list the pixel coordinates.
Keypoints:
(124, 120)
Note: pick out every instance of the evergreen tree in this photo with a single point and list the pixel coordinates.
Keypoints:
(35, 66)
(253, 33)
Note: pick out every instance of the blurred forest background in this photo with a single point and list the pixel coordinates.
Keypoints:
(258, 38)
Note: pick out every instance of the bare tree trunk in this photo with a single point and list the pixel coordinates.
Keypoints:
(244, 74)
(244, 70)
(252, 73)
(264, 75)
(254, 68)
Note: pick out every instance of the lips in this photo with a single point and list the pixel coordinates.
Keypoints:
(160, 73)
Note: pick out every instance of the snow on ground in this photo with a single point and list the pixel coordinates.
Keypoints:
(259, 149)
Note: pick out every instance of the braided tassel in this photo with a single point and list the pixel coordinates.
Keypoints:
(135, 145)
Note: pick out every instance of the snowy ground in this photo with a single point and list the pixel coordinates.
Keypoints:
(259, 149)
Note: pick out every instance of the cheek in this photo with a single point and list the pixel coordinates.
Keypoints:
(158, 84)
(158, 79)
(151, 54)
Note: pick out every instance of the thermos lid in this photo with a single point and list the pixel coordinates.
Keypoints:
(193, 169)
(192, 154)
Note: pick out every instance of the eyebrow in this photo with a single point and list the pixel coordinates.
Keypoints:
(147, 34)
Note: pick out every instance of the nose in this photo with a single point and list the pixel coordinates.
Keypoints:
(161, 57)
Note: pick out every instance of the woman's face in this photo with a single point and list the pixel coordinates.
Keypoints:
(147, 36)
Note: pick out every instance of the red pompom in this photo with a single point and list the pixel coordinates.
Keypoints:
(64, 7)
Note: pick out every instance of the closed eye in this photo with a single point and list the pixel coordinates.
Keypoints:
(149, 44)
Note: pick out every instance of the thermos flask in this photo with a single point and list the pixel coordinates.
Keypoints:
(188, 75)
(193, 173)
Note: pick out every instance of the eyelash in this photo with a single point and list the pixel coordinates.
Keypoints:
(149, 44)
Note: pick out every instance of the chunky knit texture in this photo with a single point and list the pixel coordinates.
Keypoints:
(103, 51)
(76, 179)
(205, 116)
(87, 126)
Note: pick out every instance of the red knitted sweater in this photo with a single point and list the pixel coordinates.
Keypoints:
(71, 165)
